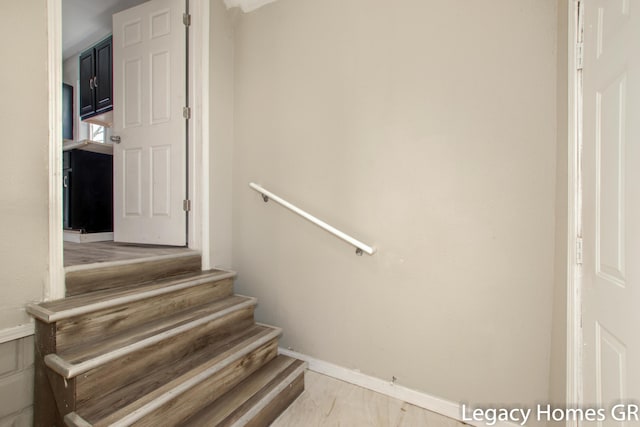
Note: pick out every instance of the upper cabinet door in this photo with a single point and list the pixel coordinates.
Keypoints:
(96, 83)
(87, 96)
(102, 81)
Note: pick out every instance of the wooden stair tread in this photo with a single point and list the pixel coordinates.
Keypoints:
(91, 354)
(252, 395)
(53, 311)
(187, 377)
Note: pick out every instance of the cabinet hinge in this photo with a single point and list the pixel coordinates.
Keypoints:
(186, 205)
(579, 55)
(579, 251)
(186, 19)
(186, 112)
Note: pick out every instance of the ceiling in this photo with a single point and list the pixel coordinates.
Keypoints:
(85, 22)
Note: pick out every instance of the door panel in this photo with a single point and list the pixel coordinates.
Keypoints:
(131, 96)
(87, 99)
(161, 179)
(611, 205)
(132, 170)
(160, 87)
(609, 151)
(149, 94)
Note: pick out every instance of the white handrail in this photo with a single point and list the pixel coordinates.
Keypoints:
(360, 247)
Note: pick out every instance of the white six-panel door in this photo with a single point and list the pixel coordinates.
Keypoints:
(149, 96)
(611, 204)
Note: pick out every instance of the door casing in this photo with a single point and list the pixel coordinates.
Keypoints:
(198, 144)
(574, 299)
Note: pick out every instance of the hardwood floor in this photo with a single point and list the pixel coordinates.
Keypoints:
(330, 402)
(88, 253)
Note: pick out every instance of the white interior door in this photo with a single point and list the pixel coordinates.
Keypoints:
(611, 205)
(149, 96)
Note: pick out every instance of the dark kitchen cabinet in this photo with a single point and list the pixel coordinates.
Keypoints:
(87, 191)
(66, 182)
(96, 79)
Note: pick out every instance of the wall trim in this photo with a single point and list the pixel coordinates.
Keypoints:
(431, 403)
(574, 298)
(200, 160)
(17, 332)
(54, 287)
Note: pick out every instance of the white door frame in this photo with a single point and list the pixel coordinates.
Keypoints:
(199, 140)
(574, 285)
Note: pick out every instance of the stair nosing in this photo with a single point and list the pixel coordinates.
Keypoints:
(270, 396)
(181, 388)
(76, 420)
(49, 316)
(71, 370)
(118, 263)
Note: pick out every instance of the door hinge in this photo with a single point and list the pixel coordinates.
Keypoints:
(579, 56)
(186, 19)
(186, 112)
(186, 205)
(581, 319)
(579, 251)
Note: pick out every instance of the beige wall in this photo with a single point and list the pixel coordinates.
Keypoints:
(221, 132)
(427, 128)
(24, 165)
(558, 371)
(23, 194)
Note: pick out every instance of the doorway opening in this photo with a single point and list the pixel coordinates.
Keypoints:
(64, 66)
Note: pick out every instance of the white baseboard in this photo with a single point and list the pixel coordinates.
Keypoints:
(17, 332)
(431, 403)
(75, 237)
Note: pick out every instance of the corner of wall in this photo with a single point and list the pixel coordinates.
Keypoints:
(558, 368)
(221, 123)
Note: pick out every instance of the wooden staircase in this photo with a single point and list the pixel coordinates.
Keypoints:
(158, 343)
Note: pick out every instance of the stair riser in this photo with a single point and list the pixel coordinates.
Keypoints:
(276, 407)
(251, 398)
(87, 280)
(110, 321)
(163, 357)
(196, 398)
